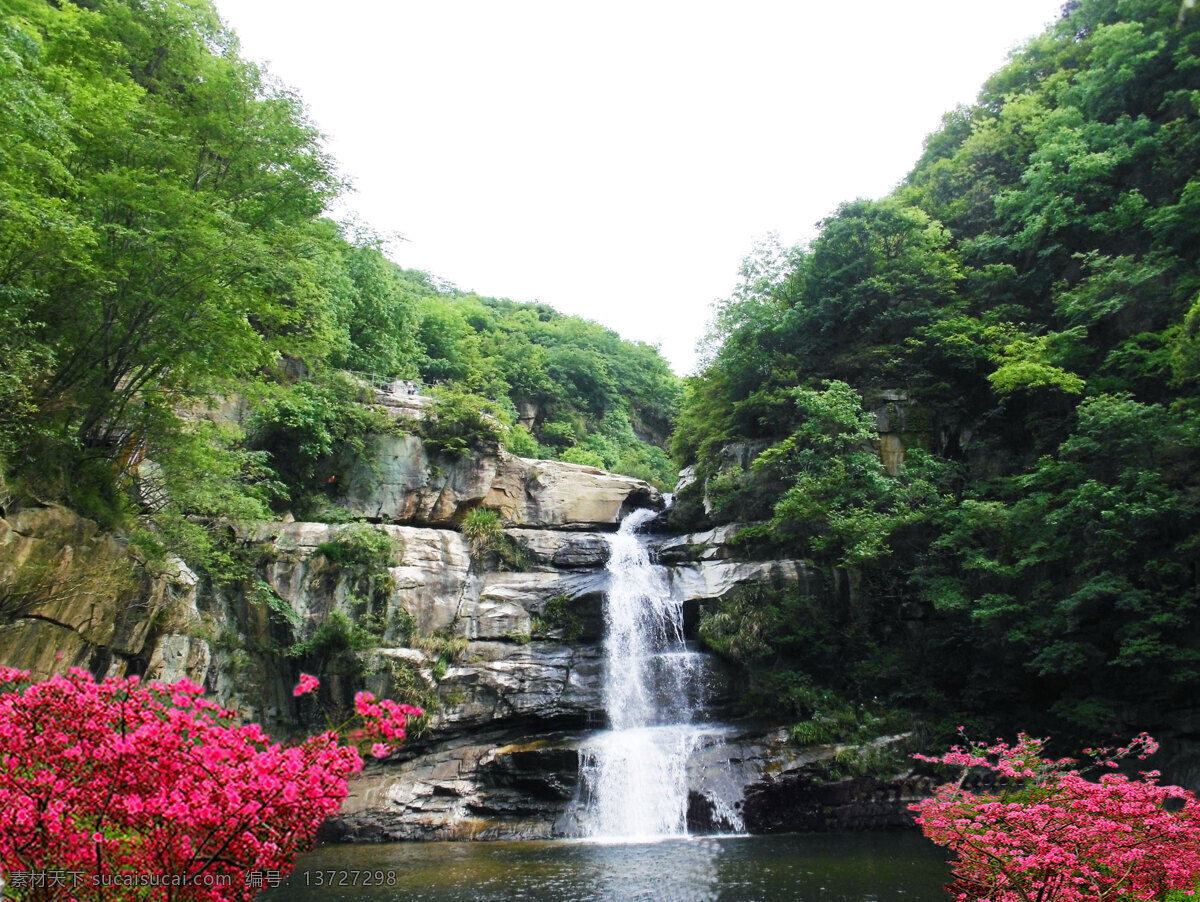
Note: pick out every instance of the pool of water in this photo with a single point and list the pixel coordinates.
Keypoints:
(856, 867)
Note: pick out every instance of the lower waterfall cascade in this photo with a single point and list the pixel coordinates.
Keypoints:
(635, 775)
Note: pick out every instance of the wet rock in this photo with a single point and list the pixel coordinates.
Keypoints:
(550, 774)
(797, 791)
(563, 550)
(499, 787)
(704, 816)
(793, 803)
(468, 790)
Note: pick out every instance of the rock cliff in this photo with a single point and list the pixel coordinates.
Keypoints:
(72, 595)
(505, 653)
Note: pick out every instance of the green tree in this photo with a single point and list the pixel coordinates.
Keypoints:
(179, 249)
(840, 501)
(378, 313)
(1081, 568)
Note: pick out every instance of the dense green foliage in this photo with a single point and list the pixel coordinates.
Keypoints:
(564, 387)
(1023, 310)
(164, 250)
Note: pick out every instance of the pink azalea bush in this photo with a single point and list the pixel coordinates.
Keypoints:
(106, 783)
(1050, 835)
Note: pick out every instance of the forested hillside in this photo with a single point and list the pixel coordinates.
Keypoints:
(1021, 312)
(971, 403)
(164, 249)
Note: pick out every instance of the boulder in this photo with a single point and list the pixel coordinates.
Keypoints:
(552, 493)
(542, 683)
(562, 550)
(433, 580)
(472, 788)
(711, 545)
(397, 481)
(703, 580)
(431, 577)
(530, 593)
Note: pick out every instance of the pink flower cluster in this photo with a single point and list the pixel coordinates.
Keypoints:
(307, 684)
(385, 721)
(123, 777)
(1054, 836)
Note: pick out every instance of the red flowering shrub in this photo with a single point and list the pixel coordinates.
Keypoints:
(125, 790)
(1052, 836)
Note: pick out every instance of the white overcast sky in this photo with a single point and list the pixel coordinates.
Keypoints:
(617, 160)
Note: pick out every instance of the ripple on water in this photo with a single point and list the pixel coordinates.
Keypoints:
(859, 867)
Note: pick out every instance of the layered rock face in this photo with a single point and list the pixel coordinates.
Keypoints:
(513, 706)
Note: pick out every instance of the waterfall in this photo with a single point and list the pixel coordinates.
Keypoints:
(654, 691)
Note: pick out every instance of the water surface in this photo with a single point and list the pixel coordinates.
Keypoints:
(851, 867)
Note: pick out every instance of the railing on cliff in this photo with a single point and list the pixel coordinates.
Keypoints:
(391, 386)
(403, 387)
